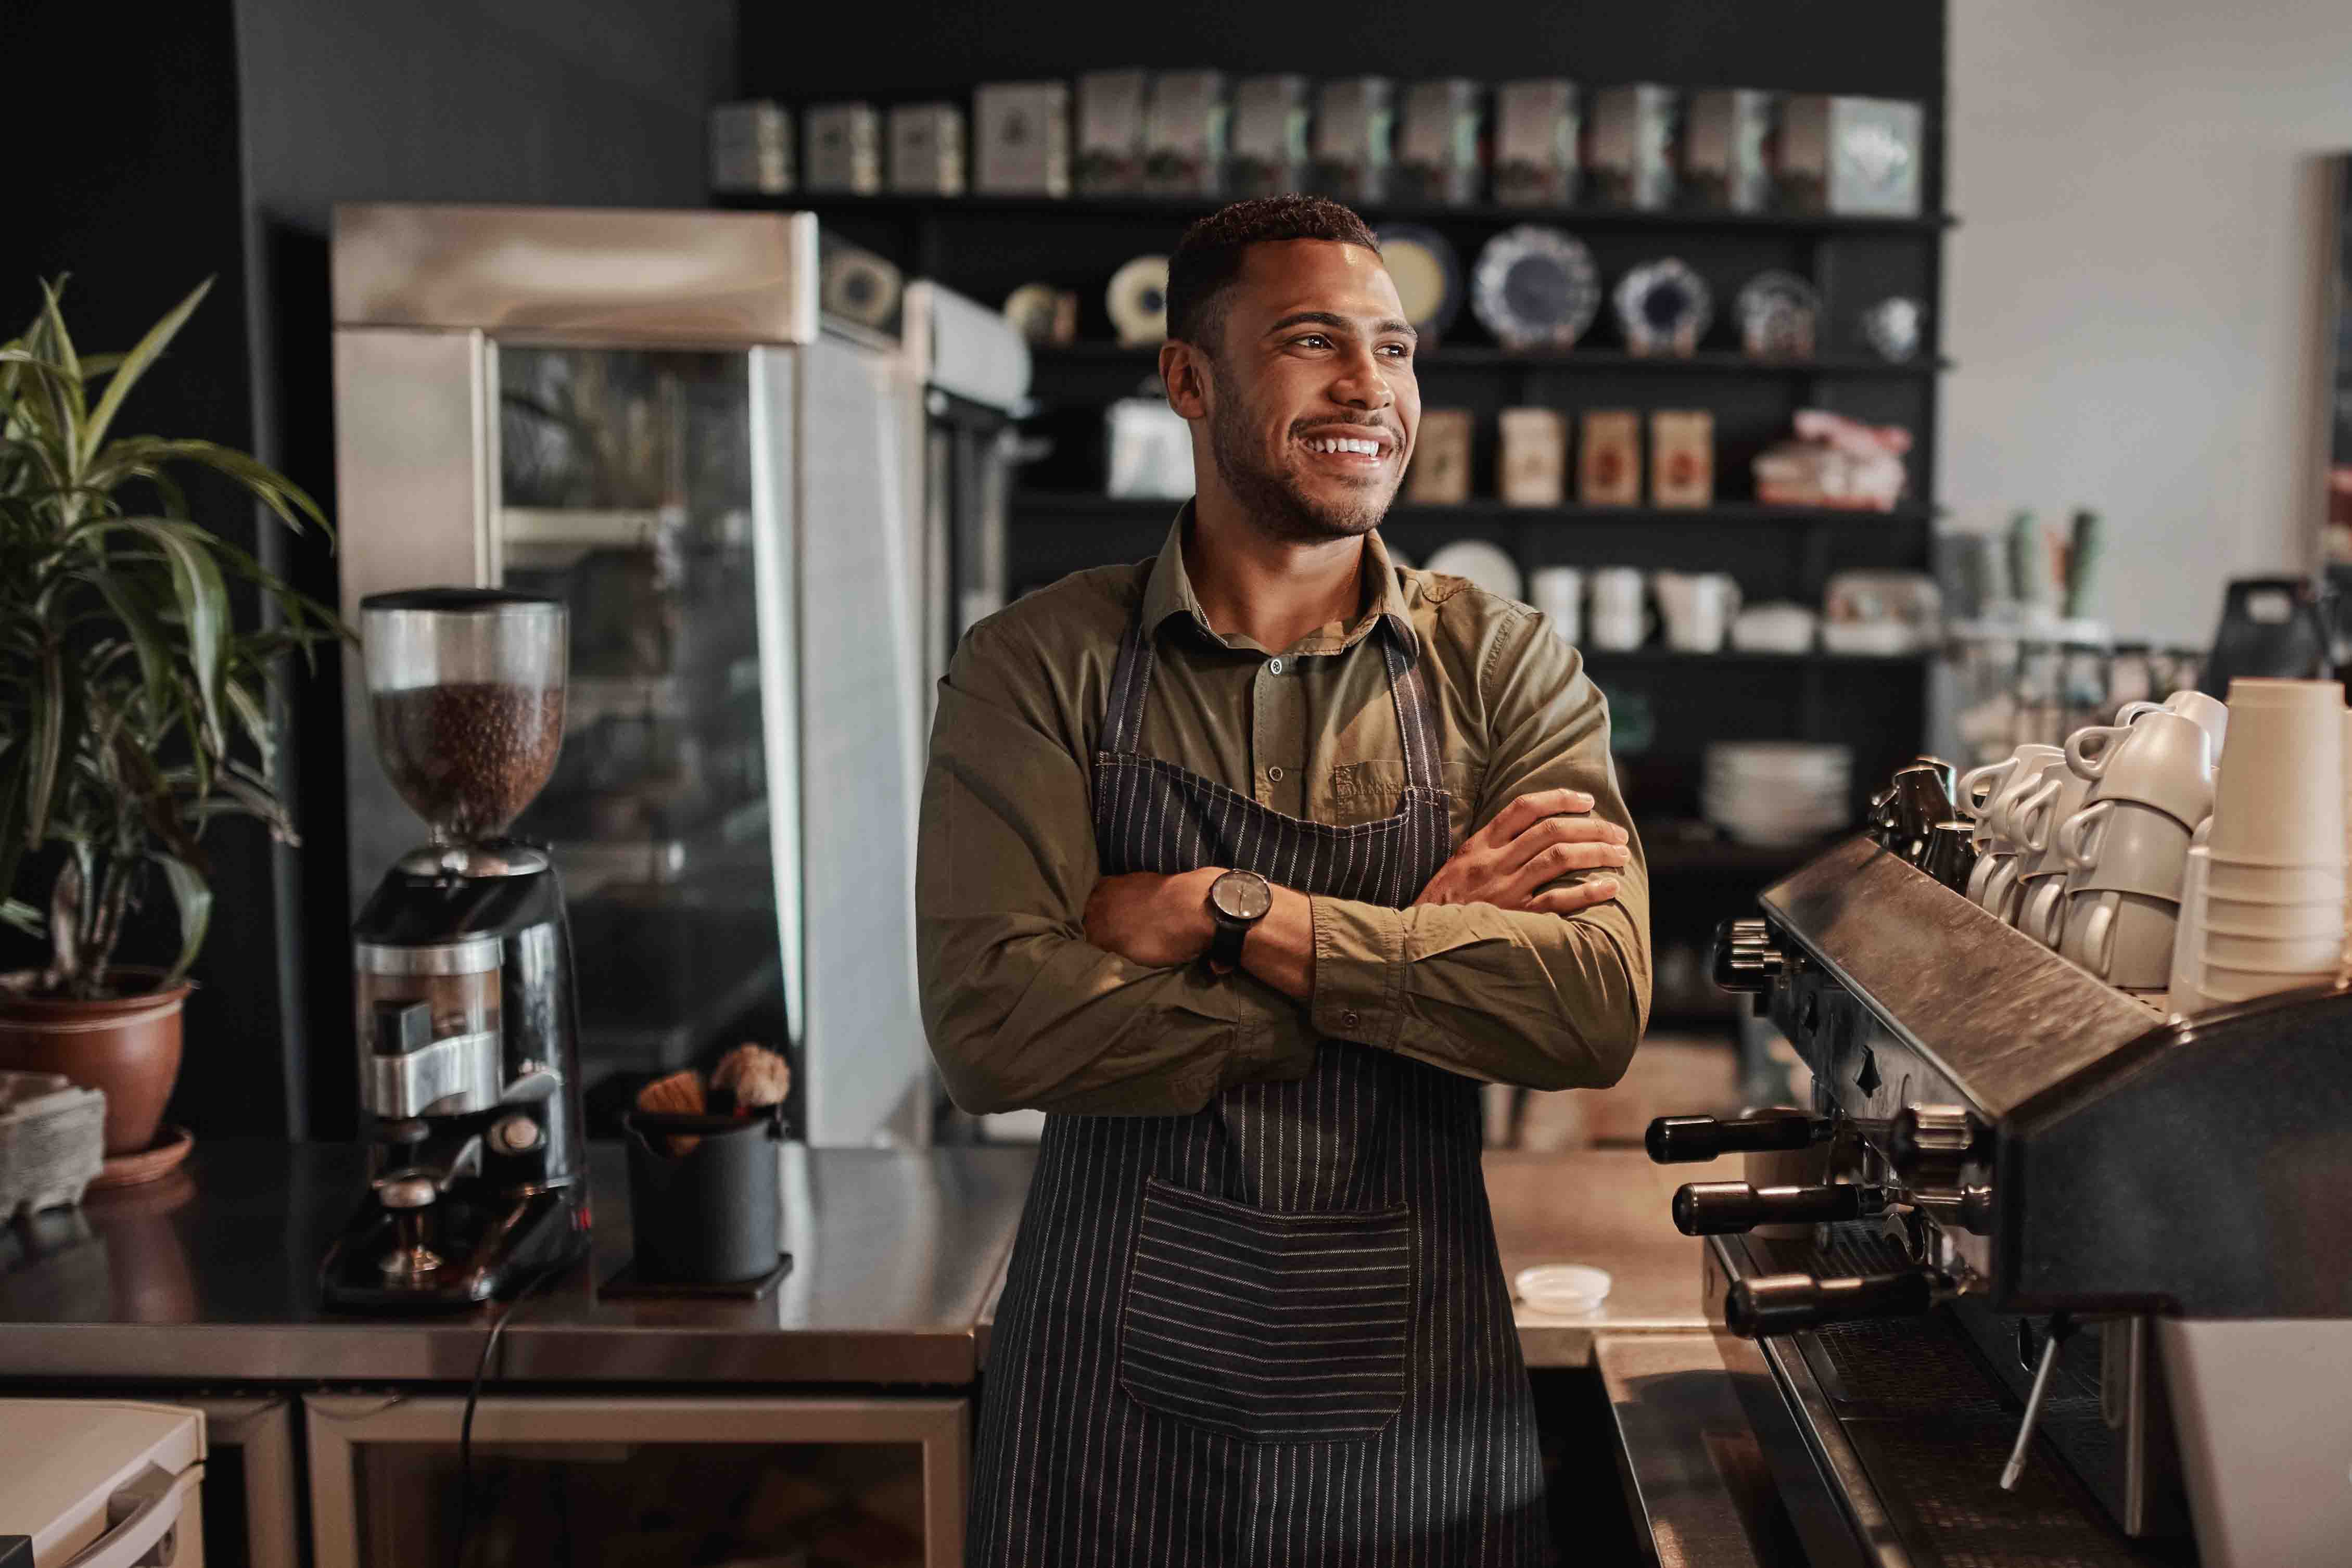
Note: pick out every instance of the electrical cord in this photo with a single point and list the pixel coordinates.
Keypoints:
(473, 1397)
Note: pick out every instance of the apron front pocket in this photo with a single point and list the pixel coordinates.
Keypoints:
(1274, 1327)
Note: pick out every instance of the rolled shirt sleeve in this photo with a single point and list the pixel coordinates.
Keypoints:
(1021, 1009)
(1543, 1000)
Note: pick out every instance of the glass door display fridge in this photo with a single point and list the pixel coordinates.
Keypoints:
(644, 414)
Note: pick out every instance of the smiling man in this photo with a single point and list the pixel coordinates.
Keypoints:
(1249, 864)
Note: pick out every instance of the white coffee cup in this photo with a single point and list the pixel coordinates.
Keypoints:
(2278, 798)
(1617, 630)
(2252, 883)
(2227, 983)
(2124, 847)
(1558, 592)
(2041, 910)
(2238, 917)
(1617, 589)
(2122, 937)
(2034, 818)
(1698, 608)
(2001, 889)
(2185, 993)
(1981, 787)
(2301, 955)
(2162, 760)
(2211, 714)
(1988, 862)
(2031, 771)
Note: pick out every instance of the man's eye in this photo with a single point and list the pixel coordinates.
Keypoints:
(1397, 351)
(1314, 340)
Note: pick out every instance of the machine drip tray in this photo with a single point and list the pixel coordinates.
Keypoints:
(624, 1282)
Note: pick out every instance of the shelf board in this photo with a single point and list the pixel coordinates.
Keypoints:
(1080, 506)
(1185, 208)
(1677, 847)
(1654, 657)
(1485, 356)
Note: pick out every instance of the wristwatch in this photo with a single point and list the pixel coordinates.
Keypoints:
(1238, 901)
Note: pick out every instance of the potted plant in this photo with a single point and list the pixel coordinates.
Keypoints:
(134, 707)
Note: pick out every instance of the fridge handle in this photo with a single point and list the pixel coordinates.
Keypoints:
(141, 1517)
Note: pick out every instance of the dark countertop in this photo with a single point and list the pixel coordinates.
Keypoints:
(898, 1257)
(210, 1275)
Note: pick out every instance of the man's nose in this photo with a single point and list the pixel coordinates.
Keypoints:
(1362, 384)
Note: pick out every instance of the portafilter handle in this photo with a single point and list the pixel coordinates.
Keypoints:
(1773, 1304)
(1687, 1140)
(1727, 1208)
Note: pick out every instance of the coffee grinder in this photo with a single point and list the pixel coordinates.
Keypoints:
(470, 1073)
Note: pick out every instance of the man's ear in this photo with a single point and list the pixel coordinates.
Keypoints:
(1184, 372)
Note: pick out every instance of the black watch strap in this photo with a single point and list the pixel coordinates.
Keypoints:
(1225, 946)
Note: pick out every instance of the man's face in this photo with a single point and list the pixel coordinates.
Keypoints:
(1310, 399)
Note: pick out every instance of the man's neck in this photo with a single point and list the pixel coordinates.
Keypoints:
(1274, 592)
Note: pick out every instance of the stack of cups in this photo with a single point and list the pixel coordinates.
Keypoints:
(2274, 905)
(1984, 797)
(2126, 850)
(2034, 820)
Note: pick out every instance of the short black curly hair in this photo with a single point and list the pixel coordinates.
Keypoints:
(1210, 255)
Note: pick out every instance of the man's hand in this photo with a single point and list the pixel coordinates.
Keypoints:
(1536, 838)
(1159, 922)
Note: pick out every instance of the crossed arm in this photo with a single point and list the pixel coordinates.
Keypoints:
(1045, 984)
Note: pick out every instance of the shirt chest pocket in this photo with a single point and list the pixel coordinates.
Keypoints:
(1358, 792)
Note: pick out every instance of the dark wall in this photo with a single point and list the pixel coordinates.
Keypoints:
(216, 137)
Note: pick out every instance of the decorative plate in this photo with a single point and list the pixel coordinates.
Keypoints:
(860, 287)
(1427, 273)
(1488, 565)
(1778, 315)
(1041, 312)
(1536, 288)
(1664, 308)
(1137, 300)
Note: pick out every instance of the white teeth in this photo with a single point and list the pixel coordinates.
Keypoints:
(1344, 444)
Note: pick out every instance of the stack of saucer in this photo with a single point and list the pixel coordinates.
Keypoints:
(2264, 899)
(1776, 791)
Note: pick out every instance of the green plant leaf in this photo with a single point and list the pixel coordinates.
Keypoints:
(134, 365)
(192, 897)
(16, 911)
(200, 597)
(47, 750)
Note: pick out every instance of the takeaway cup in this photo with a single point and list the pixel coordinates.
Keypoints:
(2185, 993)
(2256, 882)
(2240, 917)
(2278, 798)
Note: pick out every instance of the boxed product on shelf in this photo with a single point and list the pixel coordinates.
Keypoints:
(1537, 130)
(1440, 473)
(1534, 464)
(1855, 157)
(1725, 139)
(1630, 153)
(1682, 457)
(1185, 135)
(1437, 147)
(927, 149)
(1110, 133)
(845, 149)
(1021, 138)
(1608, 460)
(1151, 450)
(1353, 117)
(1266, 149)
(751, 148)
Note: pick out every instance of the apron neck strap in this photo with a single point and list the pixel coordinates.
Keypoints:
(1130, 685)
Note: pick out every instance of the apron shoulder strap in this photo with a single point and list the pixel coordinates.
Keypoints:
(1131, 681)
(1416, 713)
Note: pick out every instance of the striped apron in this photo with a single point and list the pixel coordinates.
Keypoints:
(1273, 1332)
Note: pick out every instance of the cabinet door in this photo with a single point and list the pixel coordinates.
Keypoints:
(649, 1483)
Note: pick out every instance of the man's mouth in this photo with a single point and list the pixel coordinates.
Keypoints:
(1357, 443)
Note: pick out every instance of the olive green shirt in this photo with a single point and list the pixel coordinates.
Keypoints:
(1021, 1010)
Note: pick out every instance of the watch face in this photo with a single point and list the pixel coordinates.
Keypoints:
(1241, 895)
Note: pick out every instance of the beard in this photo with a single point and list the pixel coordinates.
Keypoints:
(1272, 497)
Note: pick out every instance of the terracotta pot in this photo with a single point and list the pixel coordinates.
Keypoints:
(127, 1047)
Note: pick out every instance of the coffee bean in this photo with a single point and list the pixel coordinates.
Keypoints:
(467, 757)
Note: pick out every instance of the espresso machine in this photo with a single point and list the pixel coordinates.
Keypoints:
(469, 1069)
(2064, 1282)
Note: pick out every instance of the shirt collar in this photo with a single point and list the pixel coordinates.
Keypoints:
(1170, 595)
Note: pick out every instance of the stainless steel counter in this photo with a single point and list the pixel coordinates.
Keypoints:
(210, 1276)
(898, 1257)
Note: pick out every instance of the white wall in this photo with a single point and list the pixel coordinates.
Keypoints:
(2135, 296)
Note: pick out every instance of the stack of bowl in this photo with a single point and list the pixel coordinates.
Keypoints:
(2267, 910)
(1776, 791)
(2151, 777)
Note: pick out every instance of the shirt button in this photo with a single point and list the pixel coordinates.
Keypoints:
(1274, 667)
(1274, 773)
(1347, 1020)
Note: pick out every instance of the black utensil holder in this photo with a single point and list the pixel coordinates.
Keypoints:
(711, 1215)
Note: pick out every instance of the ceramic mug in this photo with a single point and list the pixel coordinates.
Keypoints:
(1986, 864)
(2033, 764)
(2034, 818)
(1978, 788)
(2160, 760)
(2210, 714)
(1697, 609)
(1558, 592)
(2041, 911)
(2124, 938)
(2126, 847)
